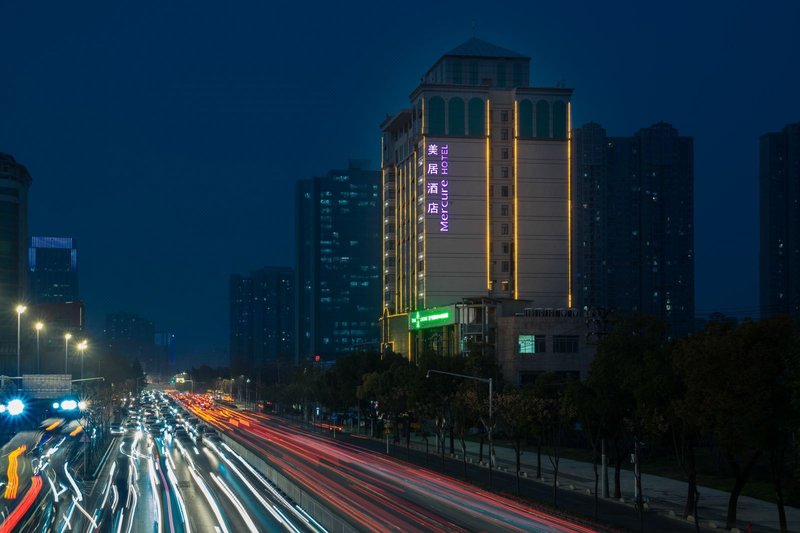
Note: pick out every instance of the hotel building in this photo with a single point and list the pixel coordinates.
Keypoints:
(475, 191)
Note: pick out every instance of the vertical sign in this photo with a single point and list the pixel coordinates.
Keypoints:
(437, 186)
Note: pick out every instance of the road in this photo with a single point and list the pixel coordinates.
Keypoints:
(371, 491)
(159, 483)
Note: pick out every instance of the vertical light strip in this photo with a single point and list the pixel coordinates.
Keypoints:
(383, 225)
(488, 201)
(569, 204)
(414, 209)
(425, 210)
(516, 202)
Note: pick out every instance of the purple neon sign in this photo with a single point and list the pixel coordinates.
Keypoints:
(437, 186)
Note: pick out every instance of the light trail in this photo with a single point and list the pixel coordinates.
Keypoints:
(12, 520)
(13, 474)
(239, 507)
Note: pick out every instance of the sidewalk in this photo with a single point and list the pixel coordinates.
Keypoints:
(664, 496)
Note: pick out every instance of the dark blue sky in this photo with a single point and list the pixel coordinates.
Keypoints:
(168, 138)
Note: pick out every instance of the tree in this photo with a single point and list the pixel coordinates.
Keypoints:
(733, 378)
(550, 405)
(515, 411)
(589, 413)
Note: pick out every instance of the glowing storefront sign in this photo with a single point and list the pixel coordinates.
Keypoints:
(437, 186)
(431, 318)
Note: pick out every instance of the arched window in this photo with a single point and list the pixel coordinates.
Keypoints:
(559, 119)
(542, 119)
(455, 108)
(477, 118)
(526, 118)
(436, 116)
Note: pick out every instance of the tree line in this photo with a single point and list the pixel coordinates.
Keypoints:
(731, 387)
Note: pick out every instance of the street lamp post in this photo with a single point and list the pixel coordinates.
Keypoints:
(247, 393)
(39, 327)
(489, 425)
(82, 348)
(20, 309)
(67, 337)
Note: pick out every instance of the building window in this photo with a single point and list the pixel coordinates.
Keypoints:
(505, 153)
(565, 343)
(456, 116)
(531, 344)
(504, 229)
(504, 172)
(503, 116)
(477, 117)
(505, 248)
(504, 266)
(504, 190)
(504, 285)
(504, 210)
(504, 134)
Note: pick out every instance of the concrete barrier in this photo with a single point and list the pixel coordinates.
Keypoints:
(309, 503)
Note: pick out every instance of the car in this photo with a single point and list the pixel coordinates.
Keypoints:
(116, 429)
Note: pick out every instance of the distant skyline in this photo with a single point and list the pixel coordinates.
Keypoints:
(168, 139)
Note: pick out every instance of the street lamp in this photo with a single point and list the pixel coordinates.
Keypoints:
(67, 337)
(20, 309)
(39, 327)
(82, 348)
(247, 393)
(489, 425)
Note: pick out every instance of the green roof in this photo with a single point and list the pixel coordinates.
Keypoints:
(478, 48)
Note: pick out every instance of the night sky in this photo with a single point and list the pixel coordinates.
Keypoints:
(168, 138)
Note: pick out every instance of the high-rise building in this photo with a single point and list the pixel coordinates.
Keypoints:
(134, 337)
(338, 262)
(633, 223)
(262, 319)
(53, 269)
(779, 259)
(14, 183)
(475, 191)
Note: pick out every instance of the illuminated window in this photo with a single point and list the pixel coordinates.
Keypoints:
(531, 344)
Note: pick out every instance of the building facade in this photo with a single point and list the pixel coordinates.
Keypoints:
(475, 190)
(133, 337)
(633, 223)
(53, 269)
(779, 258)
(14, 184)
(262, 319)
(338, 262)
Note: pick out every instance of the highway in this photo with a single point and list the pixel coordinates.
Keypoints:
(370, 491)
(152, 480)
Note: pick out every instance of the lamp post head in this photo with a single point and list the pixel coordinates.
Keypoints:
(39, 326)
(428, 374)
(21, 309)
(68, 336)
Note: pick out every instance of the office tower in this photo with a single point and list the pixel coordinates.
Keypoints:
(475, 190)
(633, 223)
(134, 337)
(338, 262)
(14, 183)
(779, 258)
(53, 269)
(262, 319)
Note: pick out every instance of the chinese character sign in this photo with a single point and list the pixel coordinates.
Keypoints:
(437, 188)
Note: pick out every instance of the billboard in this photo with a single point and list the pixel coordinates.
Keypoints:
(431, 318)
